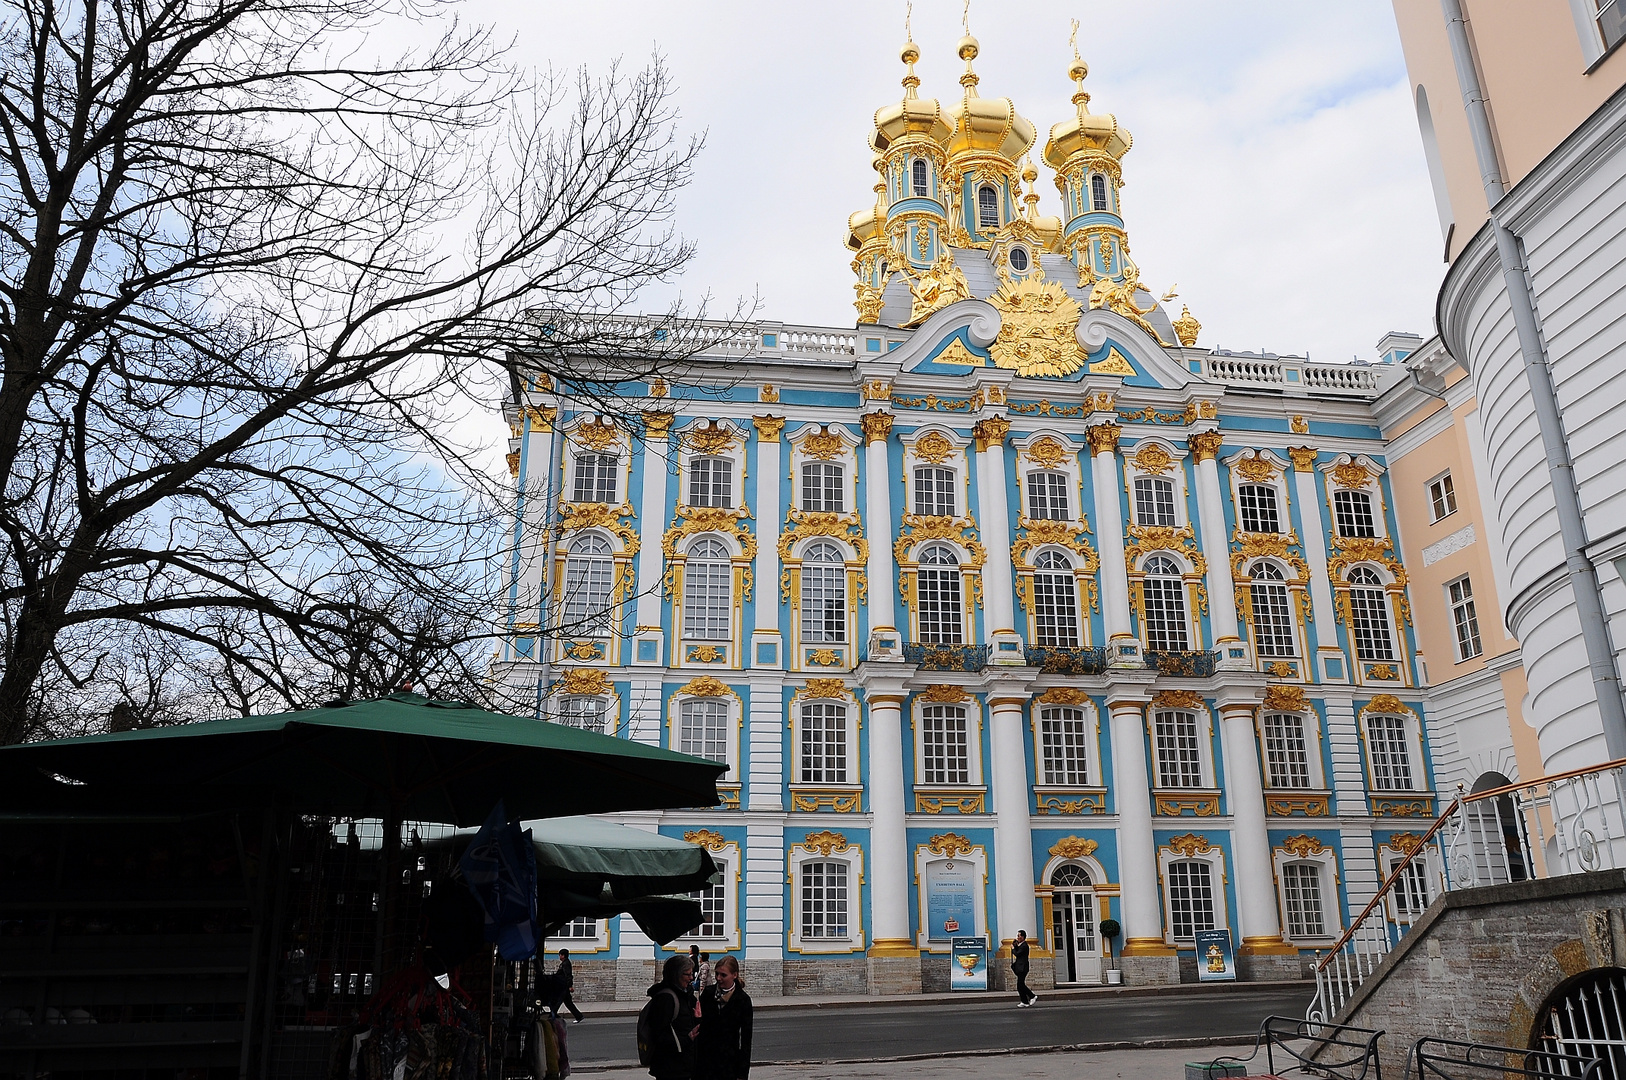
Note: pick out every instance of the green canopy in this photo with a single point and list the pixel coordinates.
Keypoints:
(661, 918)
(586, 853)
(399, 757)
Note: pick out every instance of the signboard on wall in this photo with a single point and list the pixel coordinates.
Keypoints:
(1216, 961)
(968, 963)
(951, 899)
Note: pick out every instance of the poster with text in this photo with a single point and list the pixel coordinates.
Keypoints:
(968, 964)
(951, 902)
(1216, 961)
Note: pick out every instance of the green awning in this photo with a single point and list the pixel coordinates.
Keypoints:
(585, 853)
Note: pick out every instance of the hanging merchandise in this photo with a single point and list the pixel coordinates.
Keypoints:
(412, 1030)
(499, 868)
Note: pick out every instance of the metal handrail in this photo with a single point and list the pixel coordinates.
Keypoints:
(1284, 1031)
(1537, 1064)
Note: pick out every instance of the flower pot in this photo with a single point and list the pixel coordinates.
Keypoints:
(1114, 977)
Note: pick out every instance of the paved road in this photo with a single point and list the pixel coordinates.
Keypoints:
(869, 1031)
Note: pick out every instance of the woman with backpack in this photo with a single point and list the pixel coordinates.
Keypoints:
(668, 1022)
(723, 1048)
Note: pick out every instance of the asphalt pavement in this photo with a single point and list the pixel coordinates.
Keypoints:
(866, 1031)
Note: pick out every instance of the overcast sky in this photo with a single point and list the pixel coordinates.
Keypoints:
(1277, 174)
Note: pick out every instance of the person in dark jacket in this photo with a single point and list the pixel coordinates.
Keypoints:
(567, 975)
(1019, 968)
(676, 1017)
(723, 1049)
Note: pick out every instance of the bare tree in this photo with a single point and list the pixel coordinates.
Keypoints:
(248, 278)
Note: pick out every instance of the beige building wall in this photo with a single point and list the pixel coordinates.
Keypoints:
(1542, 77)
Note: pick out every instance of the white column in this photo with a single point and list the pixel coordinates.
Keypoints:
(883, 589)
(766, 730)
(998, 587)
(890, 865)
(1261, 926)
(1315, 553)
(652, 520)
(1109, 531)
(1221, 590)
(1137, 850)
(768, 513)
(1013, 830)
(763, 906)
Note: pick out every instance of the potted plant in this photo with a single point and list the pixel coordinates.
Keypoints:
(1110, 930)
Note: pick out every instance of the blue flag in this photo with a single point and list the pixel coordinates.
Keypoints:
(499, 868)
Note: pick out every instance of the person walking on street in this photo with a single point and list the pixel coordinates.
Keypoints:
(674, 1023)
(1019, 968)
(704, 979)
(723, 1049)
(567, 976)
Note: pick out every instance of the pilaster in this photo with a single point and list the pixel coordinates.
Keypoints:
(1233, 652)
(1123, 648)
(649, 645)
(1330, 660)
(992, 504)
(767, 649)
(885, 638)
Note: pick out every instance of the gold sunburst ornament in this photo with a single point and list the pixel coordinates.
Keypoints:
(1037, 328)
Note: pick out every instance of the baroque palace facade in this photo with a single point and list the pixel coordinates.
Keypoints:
(1011, 608)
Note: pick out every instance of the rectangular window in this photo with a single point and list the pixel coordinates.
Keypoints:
(941, 621)
(824, 743)
(1391, 758)
(824, 900)
(708, 596)
(823, 491)
(1442, 497)
(1369, 618)
(1063, 746)
(944, 747)
(711, 906)
(1191, 898)
(586, 713)
(1301, 888)
(934, 492)
(1257, 506)
(1154, 501)
(1287, 756)
(1611, 21)
(1464, 618)
(1411, 888)
(1179, 765)
(711, 482)
(1352, 512)
(1055, 610)
(578, 930)
(595, 478)
(1047, 496)
(703, 729)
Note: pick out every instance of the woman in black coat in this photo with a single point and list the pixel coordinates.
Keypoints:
(723, 1048)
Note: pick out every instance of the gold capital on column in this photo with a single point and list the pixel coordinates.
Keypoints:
(1204, 445)
(991, 432)
(769, 427)
(1103, 438)
(1303, 457)
(658, 424)
(877, 426)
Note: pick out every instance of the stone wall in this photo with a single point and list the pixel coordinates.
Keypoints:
(595, 979)
(844, 976)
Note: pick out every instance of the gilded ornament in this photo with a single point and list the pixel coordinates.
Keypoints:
(542, 381)
(711, 439)
(1190, 844)
(704, 654)
(1073, 847)
(933, 447)
(1407, 842)
(991, 432)
(1035, 534)
(825, 842)
(1103, 438)
(1178, 699)
(706, 686)
(1043, 407)
(1351, 474)
(1102, 401)
(596, 436)
(940, 285)
(1281, 669)
(1256, 469)
(658, 424)
(1303, 845)
(801, 524)
(706, 838)
(950, 844)
(1303, 457)
(768, 427)
(1286, 699)
(1309, 805)
(1152, 458)
(1382, 672)
(541, 418)
(586, 682)
(823, 445)
(827, 688)
(1186, 327)
(840, 802)
(934, 803)
(513, 463)
(768, 393)
(957, 355)
(877, 425)
(1047, 453)
(1207, 410)
(1113, 363)
(944, 695)
(1038, 328)
(1179, 539)
(1386, 703)
(877, 390)
(658, 388)
(869, 302)
(917, 529)
(1119, 296)
(1299, 425)
(585, 651)
(1171, 805)
(1063, 695)
(995, 395)
(1204, 444)
(824, 657)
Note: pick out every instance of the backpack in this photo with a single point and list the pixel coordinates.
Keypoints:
(649, 1027)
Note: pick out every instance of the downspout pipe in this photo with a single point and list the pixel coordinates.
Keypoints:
(1583, 577)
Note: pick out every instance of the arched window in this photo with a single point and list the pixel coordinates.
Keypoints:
(1098, 191)
(1369, 615)
(1055, 601)
(1352, 511)
(708, 591)
(987, 207)
(1257, 504)
(939, 588)
(1272, 615)
(595, 478)
(823, 489)
(589, 578)
(934, 491)
(1165, 593)
(1063, 748)
(919, 169)
(711, 482)
(1069, 876)
(1047, 496)
(824, 594)
(1154, 501)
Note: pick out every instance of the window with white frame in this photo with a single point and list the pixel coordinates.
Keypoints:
(918, 169)
(1287, 750)
(824, 899)
(824, 594)
(1055, 601)
(824, 489)
(824, 743)
(1191, 897)
(1063, 746)
(1301, 894)
(1369, 615)
(1257, 507)
(1098, 191)
(587, 713)
(1272, 612)
(713, 900)
(1442, 497)
(1464, 619)
(589, 582)
(711, 482)
(1164, 592)
(708, 592)
(577, 930)
(934, 491)
(1389, 745)
(1352, 513)
(703, 729)
(1154, 501)
(1179, 758)
(987, 208)
(1047, 496)
(1611, 20)
(1410, 890)
(945, 751)
(938, 585)
(595, 479)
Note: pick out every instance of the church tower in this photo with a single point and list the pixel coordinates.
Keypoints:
(1087, 152)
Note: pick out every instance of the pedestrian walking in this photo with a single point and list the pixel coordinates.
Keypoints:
(567, 976)
(705, 979)
(669, 1022)
(723, 1049)
(1019, 968)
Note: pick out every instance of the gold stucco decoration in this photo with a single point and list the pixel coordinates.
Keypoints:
(1256, 469)
(943, 694)
(1204, 445)
(933, 447)
(940, 285)
(704, 654)
(1406, 841)
(1152, 458)
(769, 427)
(1351, 474)
(877, 425)
(1186, 327)
(711, 439)
(1286, 699)
(658, 424)
(825, 842)
(1103, 438)
(1119, 296)
(1299, 425)
(1190, 844)
(768, 393)
(1303, 457)
(1178, 699)
(1102, 401)
(991, 432)
(707, 839)
(1047, 453)
(1073, 847)
(823, 444)
(1032, 535)
(596, 436)
(950, 844)
(956, 354)
(658, 388)
(1063, 695)
(1303, 845)
(824, 657)
(585, 651)
(1113, 363)
(588, 682)
(706, 686)
(877, 390)
(1038, 328)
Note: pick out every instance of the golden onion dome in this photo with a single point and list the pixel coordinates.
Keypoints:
(986, 125)
(865, 225)
(914, 115)
(1085, 131)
